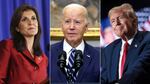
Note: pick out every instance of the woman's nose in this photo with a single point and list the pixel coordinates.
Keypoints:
(30, 21)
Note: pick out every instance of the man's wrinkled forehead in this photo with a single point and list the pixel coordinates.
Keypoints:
(75, 8)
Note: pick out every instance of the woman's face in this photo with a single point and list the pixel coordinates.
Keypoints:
(28, 25)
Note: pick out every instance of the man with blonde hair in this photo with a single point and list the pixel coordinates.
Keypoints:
(126, 60)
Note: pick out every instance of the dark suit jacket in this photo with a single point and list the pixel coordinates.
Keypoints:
(88, 73)
(16, 68)
(138, 54)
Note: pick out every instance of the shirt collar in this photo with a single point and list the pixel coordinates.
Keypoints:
(130, 41)
(67, 47)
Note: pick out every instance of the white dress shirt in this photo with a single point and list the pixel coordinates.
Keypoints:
(121, 53)
(67, 48)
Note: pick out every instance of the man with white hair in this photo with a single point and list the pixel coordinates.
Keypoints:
(74, 25)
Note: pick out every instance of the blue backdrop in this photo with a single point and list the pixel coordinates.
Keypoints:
(7, 8)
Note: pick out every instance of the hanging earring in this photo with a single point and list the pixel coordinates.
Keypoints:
(17, 29)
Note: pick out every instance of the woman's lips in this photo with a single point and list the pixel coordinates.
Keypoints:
(31, 28)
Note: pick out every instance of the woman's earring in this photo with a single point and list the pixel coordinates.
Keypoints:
(17, 29)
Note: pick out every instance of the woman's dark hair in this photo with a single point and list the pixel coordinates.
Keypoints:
(18, 38)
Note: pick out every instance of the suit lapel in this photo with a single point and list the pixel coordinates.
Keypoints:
(115, 60)
(132, 49)
(86, 61)
(59, 50)
(28, 56)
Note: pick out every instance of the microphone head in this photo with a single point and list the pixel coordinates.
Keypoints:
(78, 54)
(62, 56)
(62, 60)
(78, 59)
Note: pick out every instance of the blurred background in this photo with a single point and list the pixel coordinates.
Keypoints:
(93, 7)
(142, 9)
(58, 5)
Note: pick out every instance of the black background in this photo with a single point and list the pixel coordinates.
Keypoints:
(106, 5)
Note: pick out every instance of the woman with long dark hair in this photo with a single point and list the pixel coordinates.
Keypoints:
(21, 58)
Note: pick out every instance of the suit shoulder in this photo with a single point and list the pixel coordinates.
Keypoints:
(56, 48)
(56, 45)
(147, 35)
(113, 43)
(6, 46)
(6, 43)
(143, 36)
(90, 47)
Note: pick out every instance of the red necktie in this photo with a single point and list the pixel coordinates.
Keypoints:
(124, 56)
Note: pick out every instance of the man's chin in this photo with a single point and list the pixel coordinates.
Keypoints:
(73, 40)
(119, 34)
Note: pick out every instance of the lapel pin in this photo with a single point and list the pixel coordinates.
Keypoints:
(135, 45)
(88, 56)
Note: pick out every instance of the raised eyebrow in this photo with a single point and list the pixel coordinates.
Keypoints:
(34, 16)
(112, 20)
(27, 17)
(23, 17)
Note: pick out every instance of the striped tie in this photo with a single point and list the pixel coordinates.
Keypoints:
(70, 65)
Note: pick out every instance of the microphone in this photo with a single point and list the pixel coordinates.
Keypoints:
(62, 65)
(78, 60)
(62, 60)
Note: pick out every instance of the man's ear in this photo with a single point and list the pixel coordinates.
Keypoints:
(87, 24)
(135, 21)
(86, 27)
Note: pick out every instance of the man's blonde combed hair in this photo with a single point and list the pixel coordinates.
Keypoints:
(127, 9)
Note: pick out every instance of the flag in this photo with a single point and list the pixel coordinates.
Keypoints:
(143, 19)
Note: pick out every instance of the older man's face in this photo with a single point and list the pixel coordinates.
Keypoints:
(121, 24)
(74, 25)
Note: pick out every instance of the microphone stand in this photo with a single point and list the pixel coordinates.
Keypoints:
(69, 77)
(62, 65)
(78, 62)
